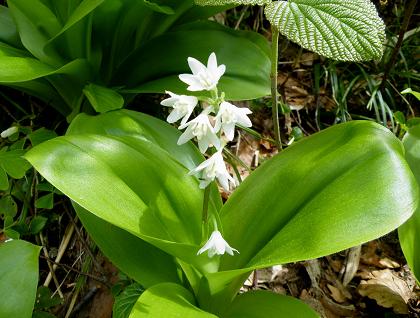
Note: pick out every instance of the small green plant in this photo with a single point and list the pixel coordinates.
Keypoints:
(95, 55)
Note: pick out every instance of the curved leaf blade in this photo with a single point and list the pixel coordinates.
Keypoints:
(339, 29)
(245, 55)
(167, 300)
(409, 232)
(103, 99)
(18, 278)
(341, 187)
(261, 304)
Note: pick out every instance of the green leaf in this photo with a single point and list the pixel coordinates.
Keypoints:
(37, 224)
(159, 8)
(326, 184)
(341, 30)
(167, 300)
(45, 299)
(40, 135)
(238, 2)
(152, 196)
(245, 54)
(8, 206)
(125, 301)
(336, 189)
(410, 91)
(8, 32)
(4, 180)
(103, 99)
(261, 304)
(18, 278)
(141, 261)
(36, 24)
(13, 163)
(409, 232)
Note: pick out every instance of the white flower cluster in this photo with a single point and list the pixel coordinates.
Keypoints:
(215, 124)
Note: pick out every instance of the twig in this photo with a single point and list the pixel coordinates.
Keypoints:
(274, 91)
(62, 248)
(407, 16)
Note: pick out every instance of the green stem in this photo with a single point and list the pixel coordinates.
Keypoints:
(206, 204)
(274, 92)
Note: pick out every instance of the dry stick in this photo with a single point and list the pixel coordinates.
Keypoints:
(274, 91)
(50, 266)
(407, 16)
(62, 248)
(84, 243)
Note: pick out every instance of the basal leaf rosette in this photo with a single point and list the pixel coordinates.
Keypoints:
(343, 30)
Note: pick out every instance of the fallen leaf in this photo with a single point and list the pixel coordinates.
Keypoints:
(387, 290)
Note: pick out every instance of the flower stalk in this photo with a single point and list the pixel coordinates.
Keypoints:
(274, 91)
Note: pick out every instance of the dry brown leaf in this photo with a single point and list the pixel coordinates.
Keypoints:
(336, 294)
(388, 290)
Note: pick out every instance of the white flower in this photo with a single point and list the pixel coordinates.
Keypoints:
(201, 128)
(183, 106)
(216, 245)
(9, 131)
(212, 168)
(228, 116)
(203, 78)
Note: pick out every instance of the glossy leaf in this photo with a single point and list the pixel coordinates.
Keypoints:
(245, 54)
(336, 189)
(151, 196)
(344, 30)
(8, 32)
(409, 232)
(18, 278)
(13, 163)
(167, 300)
(261, 304)
(125, 301)
(318, 199)
(139, 260)
(103, 99)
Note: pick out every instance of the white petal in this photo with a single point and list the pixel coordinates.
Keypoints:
(169, 102)
(212, 63)
(229, 130)
(220, 71)
(191, 80)
(187, 135)
(186, 117)
(203, 144)
(196, 66)
(174, 116)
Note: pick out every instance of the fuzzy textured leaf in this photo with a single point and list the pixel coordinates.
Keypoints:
(238, 2)
(344, 30)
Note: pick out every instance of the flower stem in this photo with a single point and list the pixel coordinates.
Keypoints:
(274, 92)
(206, 204)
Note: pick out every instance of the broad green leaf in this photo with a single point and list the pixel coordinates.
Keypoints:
(45, 298)
(167, 300)
(36, 24)
(262, 304)
(344, 30)
(318, 199)
(8, 32)
(18, 278)
(83, 9)
(13, 163)
(238, 2)
(45, 201)
(40, 135)
(159, 8)
(152, 196)
(103, 99)
(410, 91)
(336, 189)
(141, 261)
(409, 232)
(22, 69)
(125, 301)
(8, 207)
(245, 55)
(4, 180)
(37, 224)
